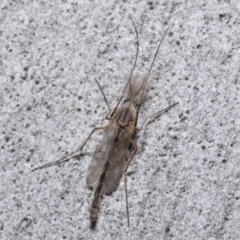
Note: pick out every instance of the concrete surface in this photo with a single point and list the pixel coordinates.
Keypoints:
(184, 183)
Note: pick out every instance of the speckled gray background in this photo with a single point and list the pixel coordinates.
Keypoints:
(184, 182)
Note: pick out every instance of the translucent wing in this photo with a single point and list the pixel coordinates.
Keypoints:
(100, 156)
(118, 161)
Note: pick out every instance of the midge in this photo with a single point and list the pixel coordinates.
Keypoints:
(117, 148)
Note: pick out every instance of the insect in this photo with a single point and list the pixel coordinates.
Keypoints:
(117, 148)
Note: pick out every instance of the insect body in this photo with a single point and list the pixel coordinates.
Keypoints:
(113, 156)
(110, 162)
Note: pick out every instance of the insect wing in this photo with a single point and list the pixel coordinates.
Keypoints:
(100, 158)
(118, 161)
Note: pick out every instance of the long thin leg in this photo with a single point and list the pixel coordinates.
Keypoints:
(69, 156)
(125, 177)
(136, 148)
(108, 117)
(139, 129)
(155, 115)
(104, 96)
(126, 194)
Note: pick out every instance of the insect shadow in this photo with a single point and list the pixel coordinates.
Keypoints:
(117, 148)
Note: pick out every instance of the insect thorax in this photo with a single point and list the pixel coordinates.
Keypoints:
(127, 113)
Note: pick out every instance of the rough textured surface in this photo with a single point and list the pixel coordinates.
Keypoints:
(184, 182)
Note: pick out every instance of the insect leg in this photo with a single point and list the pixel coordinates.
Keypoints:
(136, 148)
(105, 98)
(155, 115)
(69, 156)
(126, 194)
(125, 176)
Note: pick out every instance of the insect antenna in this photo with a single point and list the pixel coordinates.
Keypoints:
(142, 87)
(130, 77)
